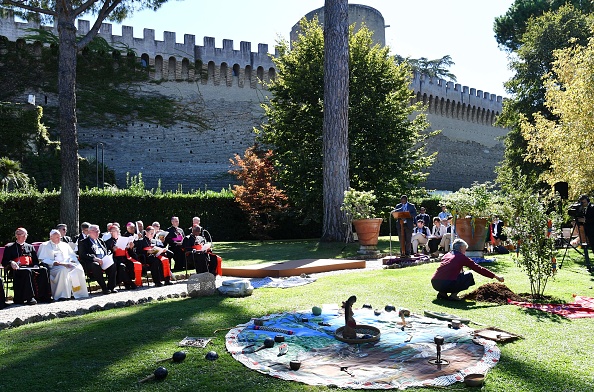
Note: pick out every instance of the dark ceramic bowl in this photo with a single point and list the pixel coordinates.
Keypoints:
(474, 380)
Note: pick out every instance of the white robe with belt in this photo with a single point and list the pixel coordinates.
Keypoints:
(66, 281)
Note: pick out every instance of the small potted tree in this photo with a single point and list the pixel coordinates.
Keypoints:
(360, 209)
(471, 208)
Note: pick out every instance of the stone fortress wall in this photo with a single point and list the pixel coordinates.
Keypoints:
(228, 91)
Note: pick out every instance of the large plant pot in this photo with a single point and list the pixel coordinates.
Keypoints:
(473, 231)
(368, 234)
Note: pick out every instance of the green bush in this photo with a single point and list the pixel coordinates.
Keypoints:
(38, 212)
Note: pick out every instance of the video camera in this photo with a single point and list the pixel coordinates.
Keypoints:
(575, 210)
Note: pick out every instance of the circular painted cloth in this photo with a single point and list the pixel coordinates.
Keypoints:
(400, 359)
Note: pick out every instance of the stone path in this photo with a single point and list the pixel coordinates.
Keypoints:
(17, 315)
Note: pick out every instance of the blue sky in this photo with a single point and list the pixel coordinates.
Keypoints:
(421, 28)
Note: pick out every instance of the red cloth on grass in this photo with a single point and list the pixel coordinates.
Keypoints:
(582, 307)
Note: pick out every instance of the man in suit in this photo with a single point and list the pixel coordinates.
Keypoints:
(84, 232)
(63, 229)
(496, 231)
(195, 222)
(175, 237)
(424, 216)
(92, 251)
(406, 235)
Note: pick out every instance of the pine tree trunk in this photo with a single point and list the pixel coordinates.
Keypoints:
(69, 196)
(336, 106)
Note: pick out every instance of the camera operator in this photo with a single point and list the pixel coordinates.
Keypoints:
(585, 217)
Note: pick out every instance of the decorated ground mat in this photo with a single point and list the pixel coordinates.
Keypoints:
(400, 358)
(582, 307)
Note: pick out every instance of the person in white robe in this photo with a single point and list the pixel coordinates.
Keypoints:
(67, 277)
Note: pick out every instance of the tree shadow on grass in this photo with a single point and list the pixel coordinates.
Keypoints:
(111, 350)
(527, 375)
(464, 305)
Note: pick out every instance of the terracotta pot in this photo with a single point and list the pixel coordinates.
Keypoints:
(473, 233)
(368, 230)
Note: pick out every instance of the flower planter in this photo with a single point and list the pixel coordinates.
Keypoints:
(473, 231)
(368, 234)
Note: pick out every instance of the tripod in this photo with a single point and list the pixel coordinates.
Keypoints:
(566, 242)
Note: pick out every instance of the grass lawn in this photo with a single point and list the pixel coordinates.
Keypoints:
(111, 350)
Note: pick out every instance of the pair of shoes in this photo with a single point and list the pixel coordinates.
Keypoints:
(105, 291)
(454, 297)
(63, 299)
(168, 283)
(32, 301)
(4, 305)
(442, 295)
(158, 284)
(130, 286)
(114, 290)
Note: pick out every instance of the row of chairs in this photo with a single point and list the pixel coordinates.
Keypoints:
(141, 272)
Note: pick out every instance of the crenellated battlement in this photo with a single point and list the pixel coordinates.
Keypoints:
(456, 101)
(173, 60)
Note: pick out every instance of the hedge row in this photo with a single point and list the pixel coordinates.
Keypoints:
(219, 213)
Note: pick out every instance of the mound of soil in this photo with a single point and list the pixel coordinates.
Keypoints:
(493, 292)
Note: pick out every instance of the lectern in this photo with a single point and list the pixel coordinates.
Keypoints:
(402, 215)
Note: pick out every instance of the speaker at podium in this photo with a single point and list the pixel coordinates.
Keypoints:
(402, 215)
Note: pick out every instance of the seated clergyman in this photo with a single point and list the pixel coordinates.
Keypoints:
(67, 277)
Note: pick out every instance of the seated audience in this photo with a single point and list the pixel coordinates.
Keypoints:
(496, 231)
(446, 240)
(139, 229)
(31, 278)
(123, 258)
(195, 222)
(130, 231)
(67, 277)
(84, 233)
(444, 215)
(424, 217)
(199, 251)
(149, 252)
(63, 229)
(450, 277)
(157, 226)
(105, 236)
(175, 237)
(420, 236)
(437, 233)
(92, 251)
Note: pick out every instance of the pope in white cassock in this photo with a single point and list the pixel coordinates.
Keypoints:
(67, 277)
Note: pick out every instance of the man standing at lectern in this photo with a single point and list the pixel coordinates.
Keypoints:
(405, 235)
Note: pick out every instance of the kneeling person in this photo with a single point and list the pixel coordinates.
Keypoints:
(449, 277)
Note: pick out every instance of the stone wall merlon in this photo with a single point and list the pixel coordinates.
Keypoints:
(244, 56)
(448, 90)
(83, 26)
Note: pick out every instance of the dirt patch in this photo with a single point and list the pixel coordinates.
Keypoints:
(494, 292)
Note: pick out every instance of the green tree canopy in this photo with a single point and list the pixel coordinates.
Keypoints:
(437, 68)
(567, 141)
(64, 13)
(532, 62)
(386, 139)
(510, 27)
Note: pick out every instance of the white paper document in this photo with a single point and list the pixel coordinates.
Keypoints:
(122, 242)
(107, 262)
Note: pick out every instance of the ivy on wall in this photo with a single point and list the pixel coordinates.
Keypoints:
(111, 89)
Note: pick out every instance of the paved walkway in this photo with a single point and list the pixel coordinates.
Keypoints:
(17, 315)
